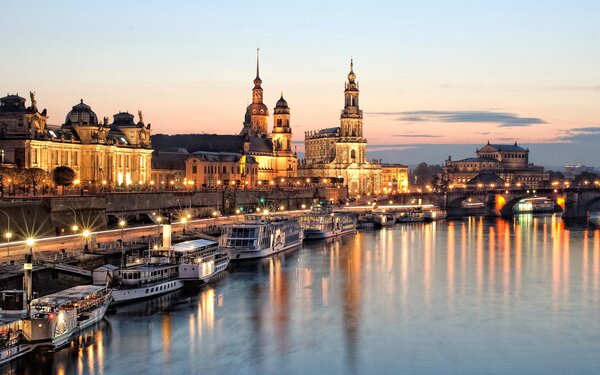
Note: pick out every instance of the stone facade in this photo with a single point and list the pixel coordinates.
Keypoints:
(394, 178)
(212, 169)
(501, 164)
(99, 153)
(342, 151)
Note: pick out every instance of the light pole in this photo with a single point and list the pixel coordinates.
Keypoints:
(86, 235)
(159, 220)
(8, 235)
(28, 272)
(122, 225)
(184, 222)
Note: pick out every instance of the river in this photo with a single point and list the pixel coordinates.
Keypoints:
(473, 296)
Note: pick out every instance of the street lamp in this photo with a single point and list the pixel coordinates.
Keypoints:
(86, 235)
(8, 235)
(184, 221)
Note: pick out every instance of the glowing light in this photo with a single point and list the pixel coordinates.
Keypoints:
(75, 228)
(184, 220)
(77, 182)
(8, 235)
(30, 241)
(121, 223)
(86, 233)
(104, 182)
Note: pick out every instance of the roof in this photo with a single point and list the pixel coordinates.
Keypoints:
(221, 156)
(169, 159)
(477, 160)
(486, 178)
(329, 130)
(212, 143)
(509, 148)
(193, 245)
(68, 295)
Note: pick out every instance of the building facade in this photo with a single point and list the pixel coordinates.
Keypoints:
(99, 153)
(394, 178)
(342, 151)
(498, 163)
(215, 169)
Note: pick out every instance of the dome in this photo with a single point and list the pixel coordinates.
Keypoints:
(258, 109)
(123, 119)
(81, 114)
(351, 75)
(281, 103)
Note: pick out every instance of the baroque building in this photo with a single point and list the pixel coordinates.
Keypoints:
(394, 178)
(118, 153)
(497, 164)
(341, 152)
(272, 150)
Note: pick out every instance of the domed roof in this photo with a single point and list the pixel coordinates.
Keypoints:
(124, 119)
(81, 114)
(351, 75)
(258, 109)
(281, 103)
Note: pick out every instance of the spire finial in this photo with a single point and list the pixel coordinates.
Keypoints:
(282, 95)
(257, 67)
(351, 63)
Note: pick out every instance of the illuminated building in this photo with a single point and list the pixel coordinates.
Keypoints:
(118, 153)
(271, 150)
(394, 177)
(212, 169)
(495, 164)
(341, 152)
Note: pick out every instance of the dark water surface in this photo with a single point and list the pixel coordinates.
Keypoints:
(459, 297)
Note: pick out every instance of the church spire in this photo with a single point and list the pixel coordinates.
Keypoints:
(257, 80)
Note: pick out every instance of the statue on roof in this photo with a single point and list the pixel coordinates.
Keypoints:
(33, 101)
(140, 116)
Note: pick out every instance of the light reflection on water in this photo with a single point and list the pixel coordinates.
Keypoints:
(472, 296)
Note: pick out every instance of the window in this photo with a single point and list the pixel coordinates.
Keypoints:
(194, 169)
(353, 154)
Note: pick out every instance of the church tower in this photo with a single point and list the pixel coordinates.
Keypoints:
(282, 132)
(351, 118)
(257, 114)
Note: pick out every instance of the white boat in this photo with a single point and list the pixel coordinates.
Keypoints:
(56, 317)
(322, 222)
(199, 260)
(145, 281)
(13, 311)
(434, 214)
(260, 236)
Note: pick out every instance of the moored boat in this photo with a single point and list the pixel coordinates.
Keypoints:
(200, 260)
(323, 222)
(259, 236)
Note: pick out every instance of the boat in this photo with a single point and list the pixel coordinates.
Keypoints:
(55, 318)
(323, 222)
(144, 281)
(535, 205)
(200, 260)
(435, 213)
(412, 216)
(13, 343)
(258, 236)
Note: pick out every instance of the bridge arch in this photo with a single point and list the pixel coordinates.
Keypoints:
(507, 209)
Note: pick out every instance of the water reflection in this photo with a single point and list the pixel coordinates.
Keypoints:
(465, 296)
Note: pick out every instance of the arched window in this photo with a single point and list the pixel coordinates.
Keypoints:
(353, 154)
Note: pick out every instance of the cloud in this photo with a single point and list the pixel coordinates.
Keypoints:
(589, 134)
(416, 135)
(502, 119)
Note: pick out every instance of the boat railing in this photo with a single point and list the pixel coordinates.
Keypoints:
(10, 339)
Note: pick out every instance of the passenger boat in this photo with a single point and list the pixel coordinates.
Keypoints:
(323, 222)
(535, 205)
(435, 213)
(145, 281)
(200, 260)
(13, 311)
(412, 216)
(259, 236)
(56, 317)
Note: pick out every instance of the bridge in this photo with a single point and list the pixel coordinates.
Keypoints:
(574, 202)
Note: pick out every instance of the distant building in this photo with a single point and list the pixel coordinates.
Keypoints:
(114, 154)
(214, 169)
(574, 170)
(394, 177)
(495, 164)
(341, 152)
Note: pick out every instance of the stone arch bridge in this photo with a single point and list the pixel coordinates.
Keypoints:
(574, 202)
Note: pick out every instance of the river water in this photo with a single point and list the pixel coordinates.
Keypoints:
(460, 297)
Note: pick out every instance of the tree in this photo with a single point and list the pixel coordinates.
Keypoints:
(423, 174)
(584, 177)
(556, 176)
(63, 176)
(34, 177)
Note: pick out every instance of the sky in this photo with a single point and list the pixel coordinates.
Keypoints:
(437, 78)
